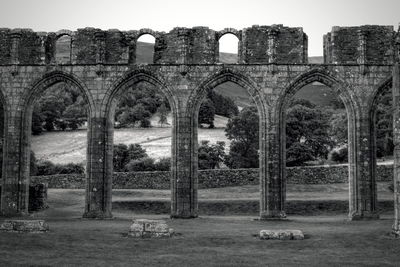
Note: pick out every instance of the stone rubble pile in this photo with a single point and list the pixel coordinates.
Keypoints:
(282, 234)
(28, 226)
(145, 228)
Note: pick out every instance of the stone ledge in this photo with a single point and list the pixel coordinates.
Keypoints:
(145, 228)
(282, 234)
(28, 226)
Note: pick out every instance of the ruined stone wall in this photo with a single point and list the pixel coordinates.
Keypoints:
(197, 45)
(369, 44)
(214, 178)
(269, 44)
(5, 46)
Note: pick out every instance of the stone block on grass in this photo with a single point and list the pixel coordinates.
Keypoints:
(282, 234)
(145, 228)
(24, 226)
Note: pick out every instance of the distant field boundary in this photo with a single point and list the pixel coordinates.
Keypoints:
(214, 178)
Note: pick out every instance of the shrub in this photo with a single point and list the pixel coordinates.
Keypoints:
(341, 155)
(140, 165)
(49, 168)
(210, 156)
(164, 164)
(123, 154)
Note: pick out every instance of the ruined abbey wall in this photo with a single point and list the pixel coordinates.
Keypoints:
(272, 67)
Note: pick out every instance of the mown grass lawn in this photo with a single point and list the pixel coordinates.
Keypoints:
(205, 241)
(223, 240)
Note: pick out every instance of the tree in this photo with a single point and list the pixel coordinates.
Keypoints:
(123, 154)
(60, 107)
(210, 156)
(338, 127)
(384, 125)
(308, 125)
(207, 113)
(162, 114)
(243, 130)
(224, 106)
(138, 104)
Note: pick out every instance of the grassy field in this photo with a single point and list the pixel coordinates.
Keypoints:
(205, 241)
(70, 146)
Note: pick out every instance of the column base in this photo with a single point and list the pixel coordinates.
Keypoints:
(365, 215)
(94, 214)
(267, 216)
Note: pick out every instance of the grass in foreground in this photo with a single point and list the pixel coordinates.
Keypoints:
(206, 241)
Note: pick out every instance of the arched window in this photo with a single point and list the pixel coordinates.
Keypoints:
(228, 48)
(145, 49)
(63, 50)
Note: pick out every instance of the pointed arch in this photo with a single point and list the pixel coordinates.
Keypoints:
(220, 77)
(200, 93)
(352, 109)
(130, 79)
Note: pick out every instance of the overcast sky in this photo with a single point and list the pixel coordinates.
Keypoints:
(315, 16)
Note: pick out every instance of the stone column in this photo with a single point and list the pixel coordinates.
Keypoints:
(184, 168)
(362, 50)
(363, 195)
(15, 37)
(396, 141)
(99, 169)
(272, 36)
(15, 187)
(273, 192)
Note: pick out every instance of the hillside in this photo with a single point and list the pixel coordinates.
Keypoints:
(316, 60)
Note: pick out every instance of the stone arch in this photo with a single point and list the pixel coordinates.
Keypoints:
(63, 34)
(144, 31)
(372, 103)
(220, 34)
(220, 77)
(352, 109)
(139, 34)
(111, 99)
(198, 95)
(29, 98)
(233, 31)
(131, 78)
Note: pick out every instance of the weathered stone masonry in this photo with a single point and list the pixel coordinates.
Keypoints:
(272, 67)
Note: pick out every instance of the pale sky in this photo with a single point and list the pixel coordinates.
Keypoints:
(315, 16)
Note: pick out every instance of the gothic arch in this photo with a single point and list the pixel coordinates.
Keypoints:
(38, 87)
(131, 79)
(352, 108)
(220, 77)
(372, 103)
(50, 79)
(198, 95)
(111, 99)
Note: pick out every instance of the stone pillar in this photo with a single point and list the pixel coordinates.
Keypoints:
(396, 141)
(184, 169)
(363, 195)
(15, 37)
(15, 187)
(183, 35)
(99, 169)
(273, 185)
(362, 50)
(272, 36)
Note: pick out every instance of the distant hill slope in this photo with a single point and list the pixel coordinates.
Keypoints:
(316, 60)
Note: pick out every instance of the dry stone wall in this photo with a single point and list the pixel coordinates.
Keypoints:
(213, 178)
